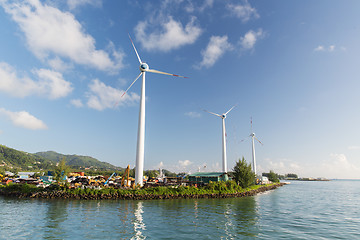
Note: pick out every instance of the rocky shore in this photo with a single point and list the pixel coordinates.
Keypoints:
(60, 194)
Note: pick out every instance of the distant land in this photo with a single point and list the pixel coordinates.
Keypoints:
(76, 160)
(12, 159)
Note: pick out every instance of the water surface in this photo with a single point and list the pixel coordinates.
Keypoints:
(301, 210)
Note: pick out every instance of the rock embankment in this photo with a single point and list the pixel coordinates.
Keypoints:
(66, 195)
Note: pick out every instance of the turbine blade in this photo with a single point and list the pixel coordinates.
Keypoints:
(131, 84)
(212, 113)
(258, 141)
(230, 110)
(135, 50)
(156, 71)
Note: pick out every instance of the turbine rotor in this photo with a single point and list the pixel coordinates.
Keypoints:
(144, 67)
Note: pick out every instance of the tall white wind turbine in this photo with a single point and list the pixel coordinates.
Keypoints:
(253, 137)
(141, 127)
(223, 116)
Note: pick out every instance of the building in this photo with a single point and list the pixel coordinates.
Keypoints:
(206, 177)
(25, 175)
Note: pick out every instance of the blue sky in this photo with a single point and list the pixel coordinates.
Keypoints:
(290, 65)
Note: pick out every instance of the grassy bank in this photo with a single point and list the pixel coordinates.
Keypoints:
(212, 190)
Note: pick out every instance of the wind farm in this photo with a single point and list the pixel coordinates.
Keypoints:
(103, 132)
(69, 63)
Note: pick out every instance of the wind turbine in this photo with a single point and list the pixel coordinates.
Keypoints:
(223, 116)
(253, 137)
(141, 127)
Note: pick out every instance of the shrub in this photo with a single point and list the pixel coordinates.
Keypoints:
(243, 174)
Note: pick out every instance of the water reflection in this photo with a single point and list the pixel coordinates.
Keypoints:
(246, 216)
(235, 218)
(55, 216)
(139, 225)
(228, 220)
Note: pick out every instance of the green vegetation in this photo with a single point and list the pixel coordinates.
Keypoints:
(155, 173)
(291, 175)
(20, 188)
(243, 174)
(272, 176)
(228, 187)
(16, 161)
(61, 171)
(77, 161)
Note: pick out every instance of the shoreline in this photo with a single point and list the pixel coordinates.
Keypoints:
(61, 194)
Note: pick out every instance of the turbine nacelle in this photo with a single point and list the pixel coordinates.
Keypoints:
(144, 67)
(252, 135)
(223, 116)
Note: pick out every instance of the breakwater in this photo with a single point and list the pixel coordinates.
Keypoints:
(63, 194)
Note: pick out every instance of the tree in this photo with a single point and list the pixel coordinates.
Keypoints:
(273, 176)
(291, 175)
(61, 171)
(243, 174)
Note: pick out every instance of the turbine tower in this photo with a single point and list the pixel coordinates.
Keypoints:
(223, 116)
(141, 127)
(253, 137)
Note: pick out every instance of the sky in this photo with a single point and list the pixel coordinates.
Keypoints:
(291, 66)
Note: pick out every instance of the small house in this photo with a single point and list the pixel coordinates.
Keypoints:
(9, 174)
(206, 177)
(25, 175)
(47, 179)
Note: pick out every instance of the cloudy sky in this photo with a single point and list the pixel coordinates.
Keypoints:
(290, 65)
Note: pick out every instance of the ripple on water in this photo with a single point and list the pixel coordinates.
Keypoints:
(301, 210)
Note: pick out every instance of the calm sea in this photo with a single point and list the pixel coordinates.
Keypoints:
(301, 210)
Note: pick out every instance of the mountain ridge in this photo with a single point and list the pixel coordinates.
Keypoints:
(13, 159)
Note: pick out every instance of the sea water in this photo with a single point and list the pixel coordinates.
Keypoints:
(300, 210)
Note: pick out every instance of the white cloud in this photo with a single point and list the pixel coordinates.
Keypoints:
(59, 65)
(101, 96)
(215, 49)
(250, 38)
(354, 147)
(243, 11)
(193, 114)
(319, 48)
(77, 103)
(24, 119)
(50, 84)
(76, 3)
(335, 166)
(171, 35)
(331, 48)
(281, 166)
(338, 166)
(206, 4)
(53, 83)
(188, 6)
(160, 165)
(51, 33)
(185, 163)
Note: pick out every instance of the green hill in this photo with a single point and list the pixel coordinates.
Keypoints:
(14, 160)
(77, 160)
